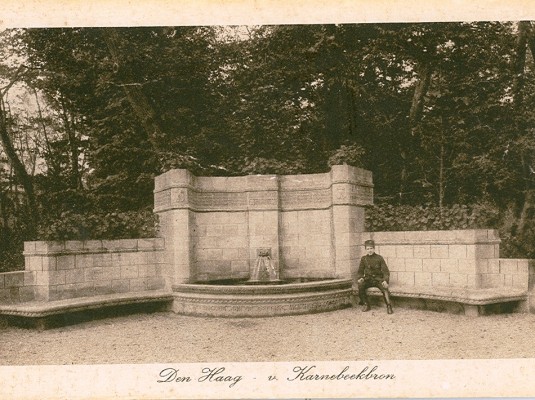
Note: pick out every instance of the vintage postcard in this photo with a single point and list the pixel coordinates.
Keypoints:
(266, 199)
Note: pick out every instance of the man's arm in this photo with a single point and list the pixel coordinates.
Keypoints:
(385, 270)
(360, 272)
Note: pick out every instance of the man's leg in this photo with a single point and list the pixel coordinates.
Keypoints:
(386, 296)
(365, 284)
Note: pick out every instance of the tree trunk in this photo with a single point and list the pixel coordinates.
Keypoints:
(520, 62)
(335, 111)
(134, 94)
(528, 211)
(531, 41)
(441, 183)
(5, 218)
(415, 113)
(51, 163)
(420, 91)
(524, 39)
(352, 111)
(73, 145)
(18, 167)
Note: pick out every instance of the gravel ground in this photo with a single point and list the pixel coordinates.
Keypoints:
(347, 334)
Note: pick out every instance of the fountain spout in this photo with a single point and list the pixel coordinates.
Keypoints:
(264, 270)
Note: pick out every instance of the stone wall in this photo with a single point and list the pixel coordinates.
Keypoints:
(306, 226)
(506, 272)
(457, 258)
(18, 286)
(59, 270)
(216, 225)
(220, 245)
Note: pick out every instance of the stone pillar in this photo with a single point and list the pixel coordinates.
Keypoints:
(352, 189)
(40, 265)
(485, 250)
(171, 204)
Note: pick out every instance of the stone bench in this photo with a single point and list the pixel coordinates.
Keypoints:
(41, 313)
(468, 301)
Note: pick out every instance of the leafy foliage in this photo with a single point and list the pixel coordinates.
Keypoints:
(351, 154)
(388, 217)
(90, 225)
(441, 113)
(430, 217)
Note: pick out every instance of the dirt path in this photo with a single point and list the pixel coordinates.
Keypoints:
(341, 335)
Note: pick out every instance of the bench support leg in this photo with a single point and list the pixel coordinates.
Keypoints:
(522, 307)
(41, 324)
(470, 310)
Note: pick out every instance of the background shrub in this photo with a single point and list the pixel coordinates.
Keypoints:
(387, 217)
(111, 225)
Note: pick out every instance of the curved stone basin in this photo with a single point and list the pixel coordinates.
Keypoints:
(226, 300)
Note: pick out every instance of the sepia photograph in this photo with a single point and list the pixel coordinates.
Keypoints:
(223, 202)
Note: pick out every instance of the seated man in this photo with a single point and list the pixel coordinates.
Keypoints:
(373, 272)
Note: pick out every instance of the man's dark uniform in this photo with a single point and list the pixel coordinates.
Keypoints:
(374, 271)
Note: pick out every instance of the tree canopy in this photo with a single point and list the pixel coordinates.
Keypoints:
(441, 113)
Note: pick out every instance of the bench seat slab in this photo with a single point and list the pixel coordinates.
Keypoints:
(45, 309)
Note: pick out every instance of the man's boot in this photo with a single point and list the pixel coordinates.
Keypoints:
(366, 307)
(386, 295)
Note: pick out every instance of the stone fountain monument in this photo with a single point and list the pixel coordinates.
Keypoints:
(265, 245)
(302, 230)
